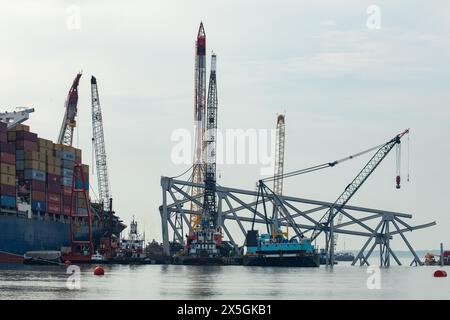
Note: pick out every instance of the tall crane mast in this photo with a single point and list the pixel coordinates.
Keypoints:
(279, 160)
(69, 121)
(98, 140)
(209, 202)
(199, 118)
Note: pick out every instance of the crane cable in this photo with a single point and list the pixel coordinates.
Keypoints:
(321, 166)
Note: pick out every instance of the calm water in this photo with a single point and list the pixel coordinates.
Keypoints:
(230, 282)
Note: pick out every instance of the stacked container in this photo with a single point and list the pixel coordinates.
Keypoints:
(44, 173)
(7, 171)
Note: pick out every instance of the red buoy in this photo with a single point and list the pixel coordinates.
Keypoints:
(99, 271)
(440, 274)
(67, 262)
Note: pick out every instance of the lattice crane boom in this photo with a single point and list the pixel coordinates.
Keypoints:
(198, 170)
(209, 202)
(69, 121)
(98, 140)
(357, 182)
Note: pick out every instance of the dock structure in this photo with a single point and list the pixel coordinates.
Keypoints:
(237, 208)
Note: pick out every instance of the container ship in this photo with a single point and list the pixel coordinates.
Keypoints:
(36, 196)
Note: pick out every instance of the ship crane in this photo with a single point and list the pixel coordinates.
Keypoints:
(326, 223)
(69, 121)
(98, 140)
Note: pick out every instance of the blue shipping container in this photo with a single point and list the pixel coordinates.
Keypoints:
(20, 165)
(8, 201)
(34, 175)
(39, 206)
(20, 155)
(67, 181)
(66, 155)
(67, 172)
(67, 164)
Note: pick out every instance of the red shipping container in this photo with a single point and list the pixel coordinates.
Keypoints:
(67, 190)
(67, 210)
(54, 188)
(38, 195)
(54, 208)
(54, 198)
(37, 185)
(53, 178)
(7, 190)
(7, 158)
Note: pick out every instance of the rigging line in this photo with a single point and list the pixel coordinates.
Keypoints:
(174, 177)
(407, 178)
(322, 166)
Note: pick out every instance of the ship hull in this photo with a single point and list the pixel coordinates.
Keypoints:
(279, 260)
(19, 235)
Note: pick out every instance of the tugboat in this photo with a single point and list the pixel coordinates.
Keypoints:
(275, 250)
(202, 248)
(131, 249)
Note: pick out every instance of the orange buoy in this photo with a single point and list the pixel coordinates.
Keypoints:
(440, 274)
(99, 271)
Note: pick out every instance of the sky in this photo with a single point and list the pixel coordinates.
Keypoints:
(344, 87)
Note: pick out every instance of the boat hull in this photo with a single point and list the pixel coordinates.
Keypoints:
(19, 235)
(279, 260)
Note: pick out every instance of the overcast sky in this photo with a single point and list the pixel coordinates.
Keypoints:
(345, 87)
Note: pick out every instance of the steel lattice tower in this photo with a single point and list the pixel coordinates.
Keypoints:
(209, 204)
(69, 121)
(199, 118)
(98, 140)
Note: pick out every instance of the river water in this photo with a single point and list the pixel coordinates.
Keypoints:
(226, 282)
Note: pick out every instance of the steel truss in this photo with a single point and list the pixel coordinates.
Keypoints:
(236, 208)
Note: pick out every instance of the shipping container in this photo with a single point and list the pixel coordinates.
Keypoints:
(68, 173)
(34, 175)
(66, 181)
(7, 169)
(8, 179)
(44, 143)
(7, 158)
(38, 196)
(54, 208)
(54, 198)
(7, 147)
(37, 185)
(54, 188)
(53, 170)
(26, 136)
(35, 155)
(53, 178)
(20, 127)
(38, 206)
(7, 190)
(8, 201)
(67, 164)
(11, 136)
(66, 155)
(27, 145)
(67, 190)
